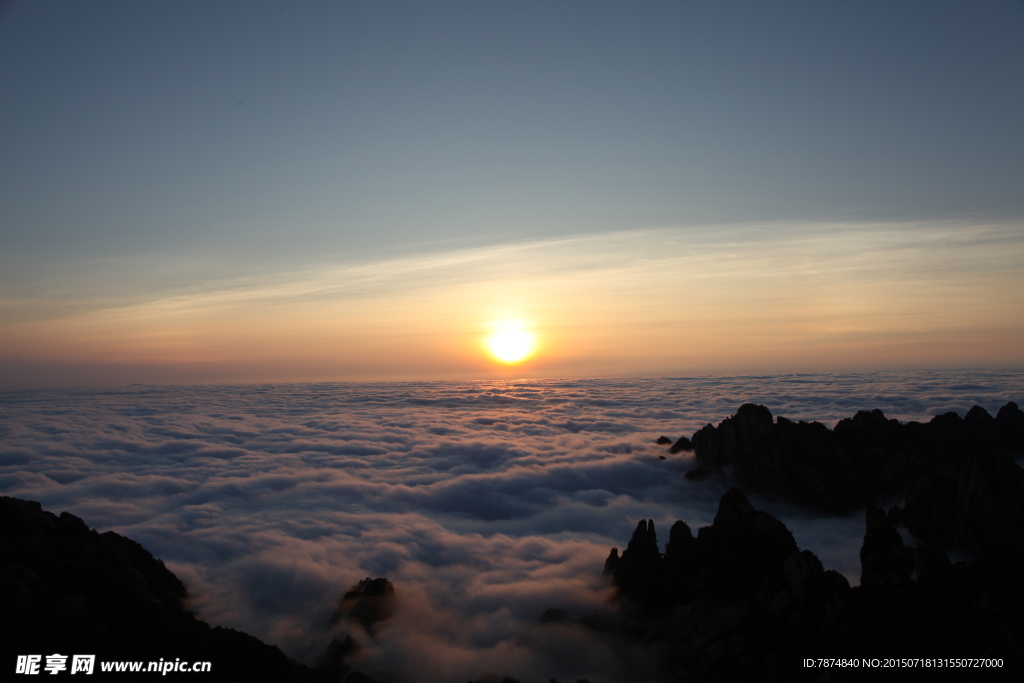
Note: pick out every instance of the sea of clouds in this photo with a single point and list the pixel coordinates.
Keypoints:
(484, 502)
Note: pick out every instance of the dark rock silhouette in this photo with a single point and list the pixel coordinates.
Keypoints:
(663, 441)
(740, 601)
(368, 602)
(700, 473)
(978, 506)
(66, 588)
(730, 602)
(952, 464)
(333, 665)
(800, 460)
(359, 677)
(638, 572)
(612, 562)
(681, 444)
(1010, 427)
(884, 560)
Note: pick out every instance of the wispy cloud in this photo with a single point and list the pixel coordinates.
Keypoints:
(758, 297)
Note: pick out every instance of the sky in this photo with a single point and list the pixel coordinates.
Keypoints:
(196, 192)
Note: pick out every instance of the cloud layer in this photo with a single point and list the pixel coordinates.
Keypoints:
(484, 502)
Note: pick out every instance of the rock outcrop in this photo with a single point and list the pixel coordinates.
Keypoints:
(68, 589)
(639, 572)
(368, 603)
(681, 444)
(729, 603)
(740, 601)
(884, 560)
(361, 608)
(978, 506)
(961, 465)
(800, 460)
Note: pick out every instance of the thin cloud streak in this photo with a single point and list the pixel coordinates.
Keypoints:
(861, 295)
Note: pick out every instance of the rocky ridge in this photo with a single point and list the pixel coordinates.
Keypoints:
(960, 484)
(65, 588)
(740, 601)
(71, 590)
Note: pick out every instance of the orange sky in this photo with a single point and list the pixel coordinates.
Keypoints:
(738, 298)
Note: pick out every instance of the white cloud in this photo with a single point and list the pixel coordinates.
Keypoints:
(484, 502)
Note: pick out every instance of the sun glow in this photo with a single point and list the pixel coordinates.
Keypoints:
(510, 342)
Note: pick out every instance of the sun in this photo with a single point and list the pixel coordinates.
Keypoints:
(511, 342)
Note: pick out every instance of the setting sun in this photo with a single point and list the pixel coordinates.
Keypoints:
(510, 343)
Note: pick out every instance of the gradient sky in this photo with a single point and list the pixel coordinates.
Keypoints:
(269, 191)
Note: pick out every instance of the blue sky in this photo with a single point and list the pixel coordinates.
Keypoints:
(154, 148)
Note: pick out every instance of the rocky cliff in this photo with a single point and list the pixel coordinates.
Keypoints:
(961, 485)
(740, 601)
(67, 589)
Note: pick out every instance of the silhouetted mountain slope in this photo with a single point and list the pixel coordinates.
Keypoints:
(740, 601)
(957, 472)
(362, 607)
(67, 589)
